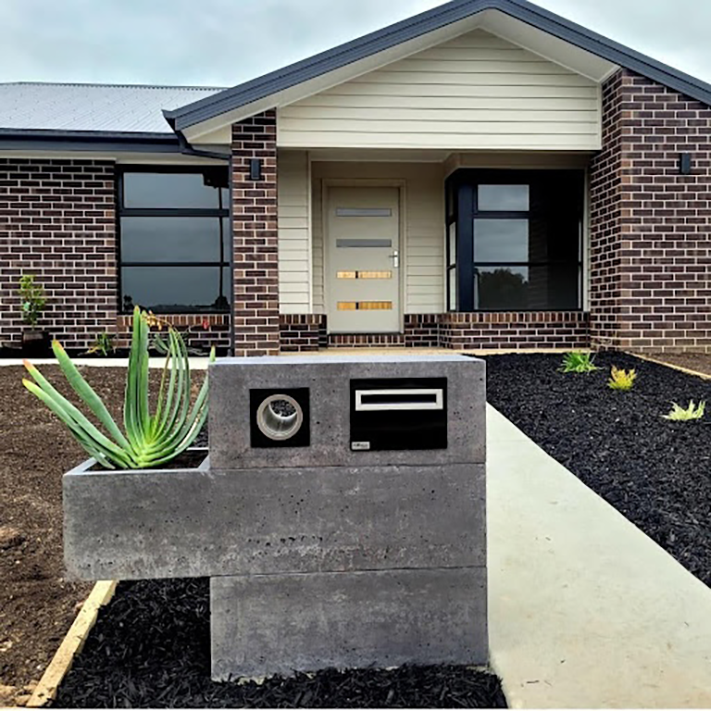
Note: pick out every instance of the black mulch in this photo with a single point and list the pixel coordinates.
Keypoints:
(655, 472)
(151, 649)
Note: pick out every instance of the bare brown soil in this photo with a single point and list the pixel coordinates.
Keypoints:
(700, 362)
(37, 603)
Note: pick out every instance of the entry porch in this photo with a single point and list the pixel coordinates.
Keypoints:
(425, 249)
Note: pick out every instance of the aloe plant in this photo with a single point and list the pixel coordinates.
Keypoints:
(147, 440)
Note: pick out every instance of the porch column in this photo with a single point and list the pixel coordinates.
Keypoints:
(255, 237)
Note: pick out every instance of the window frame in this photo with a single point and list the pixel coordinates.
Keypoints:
(220, 213)
(463, 186)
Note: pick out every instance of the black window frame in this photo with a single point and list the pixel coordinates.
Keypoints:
(462, 193)
(220, 213)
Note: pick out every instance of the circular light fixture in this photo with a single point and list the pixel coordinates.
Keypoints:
(280, 417)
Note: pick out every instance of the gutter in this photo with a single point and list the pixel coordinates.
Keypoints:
(60, 140)
(187, 149)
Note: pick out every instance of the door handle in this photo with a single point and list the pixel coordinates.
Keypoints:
(395, 256)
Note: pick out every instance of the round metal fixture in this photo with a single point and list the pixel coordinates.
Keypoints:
(280, 417)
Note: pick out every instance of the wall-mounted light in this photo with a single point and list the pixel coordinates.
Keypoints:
(255, 169)
(685, 163)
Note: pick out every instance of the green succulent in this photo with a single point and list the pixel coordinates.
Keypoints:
(693, 412)
(578, 362)
(147, 440)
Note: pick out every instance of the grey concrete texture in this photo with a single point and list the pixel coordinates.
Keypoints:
(200, 523)
(328, 379)
(279, 624)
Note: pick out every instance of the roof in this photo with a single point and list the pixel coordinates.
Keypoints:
(271, 84)
(101, 108)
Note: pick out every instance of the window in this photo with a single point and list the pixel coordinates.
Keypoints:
(514, 241)
(175, 240)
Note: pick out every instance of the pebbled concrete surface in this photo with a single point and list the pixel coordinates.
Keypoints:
(585, 611)
(385, 618)
(188, 523)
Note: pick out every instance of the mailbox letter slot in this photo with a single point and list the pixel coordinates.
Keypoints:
(398, 414)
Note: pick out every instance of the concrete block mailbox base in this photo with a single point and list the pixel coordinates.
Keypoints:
(321, 555)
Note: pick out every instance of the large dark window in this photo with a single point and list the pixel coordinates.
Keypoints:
(514, 240)
(175, 240)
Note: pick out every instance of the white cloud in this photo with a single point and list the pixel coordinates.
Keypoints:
(224, 42)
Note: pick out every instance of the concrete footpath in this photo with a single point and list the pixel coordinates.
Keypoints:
(585, 610)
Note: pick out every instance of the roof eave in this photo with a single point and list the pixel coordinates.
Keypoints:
(121, 141)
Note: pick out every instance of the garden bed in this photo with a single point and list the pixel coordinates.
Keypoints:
(151, 649)
(657, 473)
(37, 604)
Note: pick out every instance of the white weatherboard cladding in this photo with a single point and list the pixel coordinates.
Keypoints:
(294, 233)
(477, 91)
(422, 240)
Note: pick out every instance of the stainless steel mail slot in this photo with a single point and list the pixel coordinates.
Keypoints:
(404, 399)
(398, 414)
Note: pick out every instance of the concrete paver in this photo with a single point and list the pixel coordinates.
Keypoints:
(585, 611)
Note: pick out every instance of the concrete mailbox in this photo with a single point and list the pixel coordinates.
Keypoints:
(341, 515)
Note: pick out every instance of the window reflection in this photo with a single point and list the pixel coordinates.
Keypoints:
(504, 198)
(500, 240)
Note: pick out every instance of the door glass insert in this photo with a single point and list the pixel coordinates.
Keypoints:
(364, 212)
(363, 243)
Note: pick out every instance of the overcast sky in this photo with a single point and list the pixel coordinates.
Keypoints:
(224, 42)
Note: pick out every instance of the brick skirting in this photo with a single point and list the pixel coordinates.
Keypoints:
(515, 331)
(300, 333)
(458, 331)
(198, 331)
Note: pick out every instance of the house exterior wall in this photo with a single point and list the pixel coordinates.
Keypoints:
(58, 222)
(477, 91)
(650, 228)
(255, 233)
(295, 260)
(422, 244)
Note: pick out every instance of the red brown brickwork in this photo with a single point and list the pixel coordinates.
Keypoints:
(422, 330)
(302, 332)
(199, 331)
(256, 239)
(503, 331)
(366, 340)
(650, 230)
(57, 221)
(461, 331)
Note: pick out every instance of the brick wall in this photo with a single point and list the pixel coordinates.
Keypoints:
(256, 239)
(200, 332)
(650, 240)
(302, 332)
(57, 221)
(462, 331)
(514, 331)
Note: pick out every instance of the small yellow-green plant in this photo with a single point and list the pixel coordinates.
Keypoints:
(103, 345)
(622, 379)
(693, 412)
(577, 362)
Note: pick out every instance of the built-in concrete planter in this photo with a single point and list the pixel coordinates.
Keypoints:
(89, 492)
(184, 523)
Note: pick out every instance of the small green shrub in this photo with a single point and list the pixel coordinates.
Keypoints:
(693, 412)
(622, 379)
(103, 345)
(32, 299)
(578, 362)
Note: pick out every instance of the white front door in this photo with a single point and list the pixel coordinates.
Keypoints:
(363, 260)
